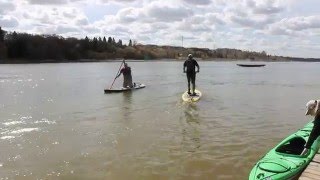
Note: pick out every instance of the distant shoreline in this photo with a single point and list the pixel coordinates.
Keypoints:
(25, 61)
(24, 48)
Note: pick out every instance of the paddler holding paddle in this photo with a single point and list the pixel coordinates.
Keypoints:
(191, 65)
(127, 77)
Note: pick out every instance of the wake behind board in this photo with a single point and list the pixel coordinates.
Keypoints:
(136, 86)
(189, 98)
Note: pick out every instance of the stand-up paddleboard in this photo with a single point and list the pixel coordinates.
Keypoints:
(136, 86)
(190, 98)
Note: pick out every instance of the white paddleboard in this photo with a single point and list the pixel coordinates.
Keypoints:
(136, 86)
(189, 98)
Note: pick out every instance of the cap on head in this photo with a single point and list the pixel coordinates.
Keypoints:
(311, 107)
(190, 56)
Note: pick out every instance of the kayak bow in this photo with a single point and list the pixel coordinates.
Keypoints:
(284, 161)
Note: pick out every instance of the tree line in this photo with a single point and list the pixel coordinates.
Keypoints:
(39, 48)
(29, 48)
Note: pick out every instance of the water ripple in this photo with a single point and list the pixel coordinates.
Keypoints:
(23, 130)
(7, 137)
(10, 123)
(45, 120)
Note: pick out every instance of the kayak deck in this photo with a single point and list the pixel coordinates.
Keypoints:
(284, 161)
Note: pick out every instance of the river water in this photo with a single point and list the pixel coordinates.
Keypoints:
(57, 123)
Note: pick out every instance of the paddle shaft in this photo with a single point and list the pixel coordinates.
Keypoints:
(116, 75)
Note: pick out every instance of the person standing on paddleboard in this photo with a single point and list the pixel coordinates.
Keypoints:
(127, 77)
(191, 64)
(313, 110)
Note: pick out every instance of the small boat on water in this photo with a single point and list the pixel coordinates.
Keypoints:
(284, 161)
(251, 65)
(136, 86)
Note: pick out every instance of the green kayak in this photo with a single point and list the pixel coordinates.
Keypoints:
(284, 161)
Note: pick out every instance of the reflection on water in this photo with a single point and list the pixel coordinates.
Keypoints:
(190, 131)
(191, 113)
(127, 105)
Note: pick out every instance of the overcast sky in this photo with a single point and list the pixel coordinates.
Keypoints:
(281, 27)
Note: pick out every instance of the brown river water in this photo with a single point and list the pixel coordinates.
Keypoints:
(57, 123)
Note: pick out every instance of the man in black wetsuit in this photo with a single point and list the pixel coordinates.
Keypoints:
(127, 78)
(191, 64)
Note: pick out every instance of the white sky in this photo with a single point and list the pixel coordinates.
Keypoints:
(280, 27)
